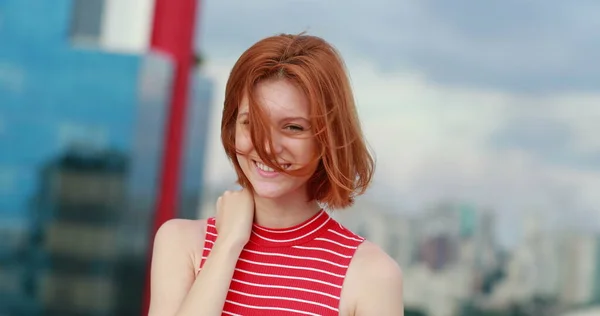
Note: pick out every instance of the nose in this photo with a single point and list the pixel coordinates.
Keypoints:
(277, 144)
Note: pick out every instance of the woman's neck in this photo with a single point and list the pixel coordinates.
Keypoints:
(283, 212)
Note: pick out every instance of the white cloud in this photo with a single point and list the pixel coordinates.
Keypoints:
(433, 142)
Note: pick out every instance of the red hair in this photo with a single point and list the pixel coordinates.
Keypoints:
(344, 165)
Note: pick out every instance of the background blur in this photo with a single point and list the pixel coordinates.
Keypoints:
(484, 118)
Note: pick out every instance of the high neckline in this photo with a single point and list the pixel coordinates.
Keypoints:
(295, 235)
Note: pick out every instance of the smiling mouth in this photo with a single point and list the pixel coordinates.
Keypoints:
(266, 168)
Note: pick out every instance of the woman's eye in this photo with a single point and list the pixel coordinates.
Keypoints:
(294, 128)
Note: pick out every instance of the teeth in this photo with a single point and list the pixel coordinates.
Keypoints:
(264, 167)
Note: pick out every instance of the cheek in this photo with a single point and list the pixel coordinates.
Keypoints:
(243, 143)
(305, 150)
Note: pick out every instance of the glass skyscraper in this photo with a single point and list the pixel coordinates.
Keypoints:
(81, 145)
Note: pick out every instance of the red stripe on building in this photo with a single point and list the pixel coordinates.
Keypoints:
(173, 30)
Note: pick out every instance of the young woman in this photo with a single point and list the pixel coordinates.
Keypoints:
(291, 130)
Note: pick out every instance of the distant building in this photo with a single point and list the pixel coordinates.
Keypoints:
(561, 267)
(579, 263)
(383, 225)
(590, 311)
(74, 250)
(457, 233)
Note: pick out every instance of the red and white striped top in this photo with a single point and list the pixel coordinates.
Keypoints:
(293, 271)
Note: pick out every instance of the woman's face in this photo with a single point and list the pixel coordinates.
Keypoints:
(293, 144)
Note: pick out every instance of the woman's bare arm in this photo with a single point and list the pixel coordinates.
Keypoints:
(176, 255)
(175, 292)
(210, 289)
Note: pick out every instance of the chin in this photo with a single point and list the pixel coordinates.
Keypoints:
(271, 191)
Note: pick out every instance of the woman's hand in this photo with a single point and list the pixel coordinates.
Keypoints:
(234, 218)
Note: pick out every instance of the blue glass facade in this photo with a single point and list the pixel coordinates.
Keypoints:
(81, 141)
(192, 171)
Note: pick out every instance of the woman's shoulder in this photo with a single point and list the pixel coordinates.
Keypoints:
(182, 229)
(183, 236)
(370, 258)
(369, 261)
(374, 281)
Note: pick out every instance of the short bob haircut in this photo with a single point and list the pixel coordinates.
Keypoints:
(344, 164)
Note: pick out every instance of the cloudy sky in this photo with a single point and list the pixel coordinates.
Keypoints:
(496, 103)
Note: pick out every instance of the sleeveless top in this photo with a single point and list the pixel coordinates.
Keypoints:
(293, 271)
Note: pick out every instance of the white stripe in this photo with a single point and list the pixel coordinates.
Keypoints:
(232, 314)
(291, 230)
(322, 249)
(287, 288)
(288, 277)
(210, 241)
(342, 235)
(285, 299)
(335, 242)
(272, 308)
(295, 257)
(291, 267)
(209, 233)
(294, 239)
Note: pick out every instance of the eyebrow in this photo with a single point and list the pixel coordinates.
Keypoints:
(291, 118)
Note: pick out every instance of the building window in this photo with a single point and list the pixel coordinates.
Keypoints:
(86, 23)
